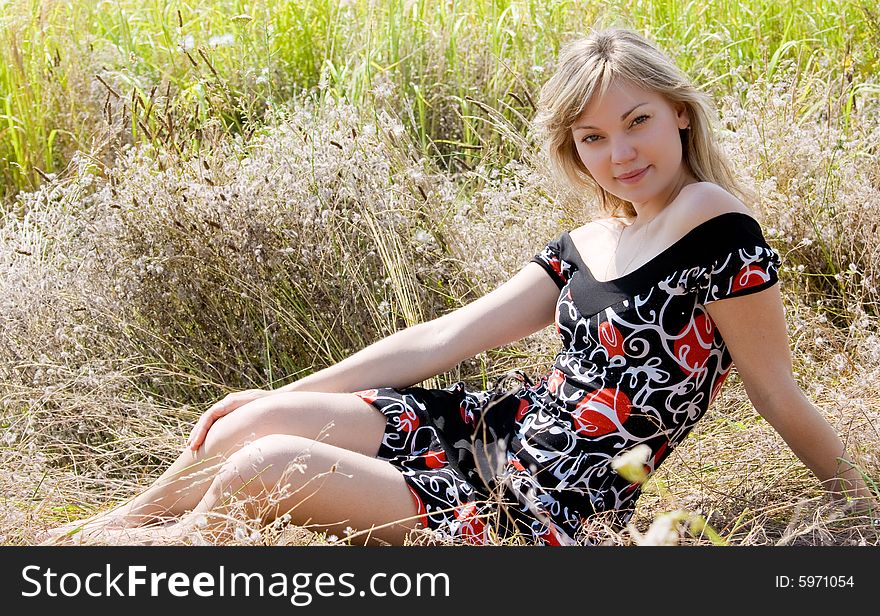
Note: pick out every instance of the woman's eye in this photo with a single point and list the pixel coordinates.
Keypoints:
(590, 138)
(640, 119)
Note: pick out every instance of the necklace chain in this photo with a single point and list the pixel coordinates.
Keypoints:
(617, 246)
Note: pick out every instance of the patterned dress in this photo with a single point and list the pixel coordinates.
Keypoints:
(641, 360)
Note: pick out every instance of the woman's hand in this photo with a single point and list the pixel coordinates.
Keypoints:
(218, 410)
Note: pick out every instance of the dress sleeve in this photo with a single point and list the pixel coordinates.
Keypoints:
(745, 270)
(550, 258)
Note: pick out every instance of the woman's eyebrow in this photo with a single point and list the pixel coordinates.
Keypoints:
(622, 117)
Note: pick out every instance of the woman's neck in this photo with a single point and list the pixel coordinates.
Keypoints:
(648, 210)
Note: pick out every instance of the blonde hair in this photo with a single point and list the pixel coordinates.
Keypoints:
(585, 68)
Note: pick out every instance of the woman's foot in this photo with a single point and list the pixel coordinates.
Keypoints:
(105, 532)
(67, 533)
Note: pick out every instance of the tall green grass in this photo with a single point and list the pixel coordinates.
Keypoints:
(87, 75)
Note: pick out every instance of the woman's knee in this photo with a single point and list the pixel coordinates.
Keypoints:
(343, 420)
(256, 419)
(318, 484)
(254, 473)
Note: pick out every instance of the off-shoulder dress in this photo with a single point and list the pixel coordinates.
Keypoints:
(640, 362)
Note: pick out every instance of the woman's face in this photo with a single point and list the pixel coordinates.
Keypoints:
(628, 140)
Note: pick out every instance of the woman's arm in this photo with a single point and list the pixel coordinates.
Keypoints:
(753, 327)
(519, 307)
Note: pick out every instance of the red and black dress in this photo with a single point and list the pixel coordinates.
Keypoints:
(640, 362)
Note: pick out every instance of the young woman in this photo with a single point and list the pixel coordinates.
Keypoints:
(653, 304)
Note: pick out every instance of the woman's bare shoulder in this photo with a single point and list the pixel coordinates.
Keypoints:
(702, 201)
(598, 226)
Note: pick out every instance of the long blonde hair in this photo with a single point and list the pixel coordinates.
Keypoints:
(586, 67)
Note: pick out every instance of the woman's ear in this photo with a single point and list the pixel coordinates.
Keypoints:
(682, 116)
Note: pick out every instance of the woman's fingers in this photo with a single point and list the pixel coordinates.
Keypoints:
(194, 439)
(197, 436)
(218, 410)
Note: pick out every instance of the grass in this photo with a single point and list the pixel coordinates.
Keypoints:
(204, 198)
(68, 65)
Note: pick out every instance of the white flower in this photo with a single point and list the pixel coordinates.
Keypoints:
(197, 539)
(631, 464)
(383, 90)
(298, 465)
(662, 530)
(224, 40)
(398, 130)
(187, 42)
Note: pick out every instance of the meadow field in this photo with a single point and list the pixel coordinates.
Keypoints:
(203, 197)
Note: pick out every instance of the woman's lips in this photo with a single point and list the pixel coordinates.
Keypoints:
(633, 176)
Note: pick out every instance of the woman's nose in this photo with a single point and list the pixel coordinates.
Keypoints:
(622, 151)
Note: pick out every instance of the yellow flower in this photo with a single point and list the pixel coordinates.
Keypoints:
(631, 464)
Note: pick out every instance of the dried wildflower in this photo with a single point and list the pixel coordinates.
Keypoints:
(383, 89)
(119, 274)
(662, 531)
(631, 464)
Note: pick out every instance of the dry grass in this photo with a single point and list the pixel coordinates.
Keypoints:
(136, 293)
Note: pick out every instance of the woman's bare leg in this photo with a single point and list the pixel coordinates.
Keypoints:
(321, 487)
(339, 419)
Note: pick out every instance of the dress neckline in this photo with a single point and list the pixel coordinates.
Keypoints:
(653, 260)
